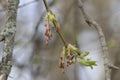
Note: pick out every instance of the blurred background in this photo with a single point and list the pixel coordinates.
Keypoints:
(33, 60)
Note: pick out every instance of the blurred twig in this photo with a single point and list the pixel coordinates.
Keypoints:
(4, 4)
(1, 36)
(104, 47)
(23, 5)
(28, 3)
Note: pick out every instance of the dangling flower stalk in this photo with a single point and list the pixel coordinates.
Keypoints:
(51, 17)
(70, 54)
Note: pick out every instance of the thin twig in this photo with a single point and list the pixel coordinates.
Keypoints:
(36, 27)
(104, 47)
(46, 6)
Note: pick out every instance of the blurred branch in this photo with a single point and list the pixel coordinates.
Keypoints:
(28, 3)
(104, 47)
(36, 27)
(4, 4)
(9, 35)
(1, 37)
(66, 15)
(23, 5)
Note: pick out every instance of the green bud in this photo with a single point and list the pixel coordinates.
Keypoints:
(50, 16)
(73, 48)
(63, 53)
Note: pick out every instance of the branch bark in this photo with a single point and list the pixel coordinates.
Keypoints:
(9, 35)
(92, 23)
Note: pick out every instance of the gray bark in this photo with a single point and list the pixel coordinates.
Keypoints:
(9, 35)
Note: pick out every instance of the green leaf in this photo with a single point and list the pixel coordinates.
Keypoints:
(83, 55)
(73, 48)
(87, 62)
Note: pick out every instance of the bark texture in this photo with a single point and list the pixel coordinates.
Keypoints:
(9, 35)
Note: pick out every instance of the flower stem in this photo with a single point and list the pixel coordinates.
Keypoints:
(56, 25)
(59, 33)
(46, 6)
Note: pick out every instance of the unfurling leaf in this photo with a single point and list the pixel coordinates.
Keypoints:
(74, 49)
(71, 54)
(84, 55)
(87, 62)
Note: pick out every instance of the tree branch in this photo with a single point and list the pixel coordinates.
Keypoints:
(93, 23)
(9, 34)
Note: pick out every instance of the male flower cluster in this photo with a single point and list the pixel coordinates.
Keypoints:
(71, 54)
(49, 18)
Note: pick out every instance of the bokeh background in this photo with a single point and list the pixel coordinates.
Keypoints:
(33, 60)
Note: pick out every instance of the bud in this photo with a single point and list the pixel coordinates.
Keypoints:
(50, 16)
(73, 49)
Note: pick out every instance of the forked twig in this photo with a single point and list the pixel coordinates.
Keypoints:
(93, 23)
